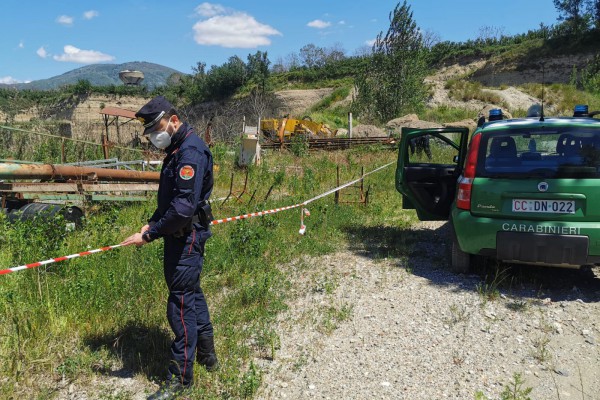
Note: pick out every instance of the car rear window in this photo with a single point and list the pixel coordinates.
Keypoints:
(564, 152)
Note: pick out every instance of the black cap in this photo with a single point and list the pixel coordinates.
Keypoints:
(152, 112)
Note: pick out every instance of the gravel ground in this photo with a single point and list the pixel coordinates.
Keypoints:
(365, 326)
(362, 327)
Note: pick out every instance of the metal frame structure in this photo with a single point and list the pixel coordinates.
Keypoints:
(65, 183)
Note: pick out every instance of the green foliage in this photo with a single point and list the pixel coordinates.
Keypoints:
(542, 42)
(444, 114)
(512, 391)
(489, 289)
(338, 94)
(576, 16)
(258, 69)
(299, 145)
(562, 97)
(590, 76)
(464, 90)
(333, 73)
(392, 83)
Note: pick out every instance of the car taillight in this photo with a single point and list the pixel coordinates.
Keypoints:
(463, 197)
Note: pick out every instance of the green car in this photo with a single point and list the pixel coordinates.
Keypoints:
(521, 190)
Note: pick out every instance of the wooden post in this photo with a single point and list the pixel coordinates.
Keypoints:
(105, 146)
(105, 138)
(63, 157)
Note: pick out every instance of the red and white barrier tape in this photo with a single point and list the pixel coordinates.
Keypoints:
(58, 259)
(256, 214)
(215, 222)
(261, 213)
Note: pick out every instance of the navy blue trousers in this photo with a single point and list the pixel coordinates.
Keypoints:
(187, 310)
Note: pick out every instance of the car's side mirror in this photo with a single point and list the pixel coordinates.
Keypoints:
(455, 159)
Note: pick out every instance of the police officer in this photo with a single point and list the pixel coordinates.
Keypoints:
(182, 219)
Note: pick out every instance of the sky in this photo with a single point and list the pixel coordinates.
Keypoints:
(41, 39)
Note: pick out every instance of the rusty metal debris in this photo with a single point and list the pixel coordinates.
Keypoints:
(65, 172)
(24, 184)
(335, 143)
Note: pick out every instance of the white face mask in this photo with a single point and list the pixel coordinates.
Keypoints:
(161, 139)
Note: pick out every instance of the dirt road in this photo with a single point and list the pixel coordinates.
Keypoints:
(373, 323)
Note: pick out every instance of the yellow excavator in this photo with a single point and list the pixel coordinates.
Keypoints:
(282, 130)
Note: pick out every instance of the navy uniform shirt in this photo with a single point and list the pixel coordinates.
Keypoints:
(186, 182)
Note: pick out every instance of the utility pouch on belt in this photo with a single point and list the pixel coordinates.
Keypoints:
(205, 214)
(204, 217)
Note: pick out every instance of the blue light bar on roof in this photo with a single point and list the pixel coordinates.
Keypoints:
(495, 114)
(581, 110)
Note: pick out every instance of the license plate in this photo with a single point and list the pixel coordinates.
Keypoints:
(544, 206)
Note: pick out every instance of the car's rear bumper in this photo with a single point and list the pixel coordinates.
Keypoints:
(523, 241)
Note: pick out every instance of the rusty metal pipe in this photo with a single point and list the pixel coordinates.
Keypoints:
(54, 171)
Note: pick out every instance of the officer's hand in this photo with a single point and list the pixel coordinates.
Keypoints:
(136, 239)
(144, 229)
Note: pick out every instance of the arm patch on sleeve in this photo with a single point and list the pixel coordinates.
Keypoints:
(187, 175)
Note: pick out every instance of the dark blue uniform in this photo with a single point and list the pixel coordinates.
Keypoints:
(186, 182)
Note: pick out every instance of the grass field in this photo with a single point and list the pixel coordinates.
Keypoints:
(104, 313)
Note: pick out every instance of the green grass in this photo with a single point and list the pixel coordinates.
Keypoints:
(88, 317)
(562, 97)
(464, 90)
(445, 114)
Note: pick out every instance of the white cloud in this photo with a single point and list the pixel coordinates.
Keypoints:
(235, 30)
(65, 20)
(42, 52)
(319, 24)
(8, 80)
(370, 42)
(208, 10)
(90, 14)
(21, 44)
(73, 54)
(342, 22)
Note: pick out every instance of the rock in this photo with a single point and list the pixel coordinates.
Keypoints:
(342, 132)
(402, 121)
(409, 121)
(465, 123)
(557, 328)
(368, 131)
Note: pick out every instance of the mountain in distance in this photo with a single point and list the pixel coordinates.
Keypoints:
(104, 75)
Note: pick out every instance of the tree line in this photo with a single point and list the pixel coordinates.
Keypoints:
(388, 77)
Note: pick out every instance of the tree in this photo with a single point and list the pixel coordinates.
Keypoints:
(334, 53)
(312, 56)
(223, 81)
(574, 15)
(392, 84)
(258, 69)
(279, 66)
(82, 87)
(292, 61)
(490, 34)
(595, 11)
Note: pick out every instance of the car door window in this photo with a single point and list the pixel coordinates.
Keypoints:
(439, 148)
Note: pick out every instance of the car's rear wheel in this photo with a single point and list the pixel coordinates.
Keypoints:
(460, 261)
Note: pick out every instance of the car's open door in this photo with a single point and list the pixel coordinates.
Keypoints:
(429, 164)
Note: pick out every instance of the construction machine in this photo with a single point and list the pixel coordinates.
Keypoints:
(282, 130)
